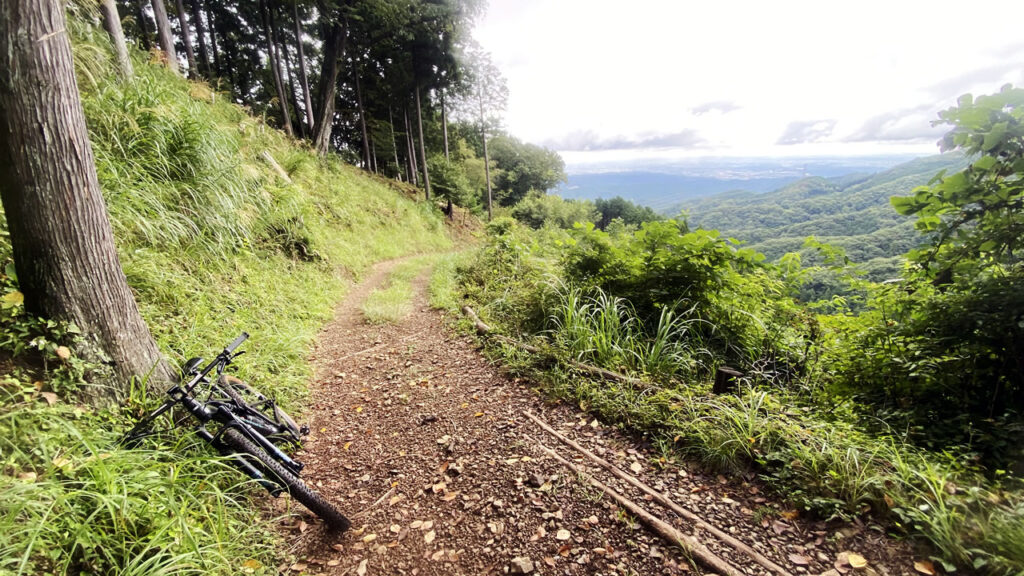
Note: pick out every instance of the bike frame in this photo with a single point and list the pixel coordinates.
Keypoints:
(229, 415)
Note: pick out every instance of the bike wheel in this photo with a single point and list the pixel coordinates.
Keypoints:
(243, 394)
(237, 442)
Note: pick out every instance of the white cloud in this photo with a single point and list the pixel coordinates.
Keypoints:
(738, 74)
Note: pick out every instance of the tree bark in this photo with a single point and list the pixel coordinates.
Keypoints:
(334, 48)
(303, 75)
(410, 150)
(487, 160)
(394, 142)
(282, 48)
(444, 126)
(373, 154)
(423, 146)
(163, 35)
(63, 245)
(204, 54)
(112, 24)
(140, 12)
(362, 117)
(275, 68)
(186, 39)
(217, 70)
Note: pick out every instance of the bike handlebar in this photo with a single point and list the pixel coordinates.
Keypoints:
(238, 342)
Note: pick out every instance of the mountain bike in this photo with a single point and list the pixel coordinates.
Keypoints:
(242, 423)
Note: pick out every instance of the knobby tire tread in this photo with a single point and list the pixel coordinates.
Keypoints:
(309, 498)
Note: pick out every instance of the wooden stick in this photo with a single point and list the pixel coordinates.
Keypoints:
(277, 167)
(662, 499)
(666, 531)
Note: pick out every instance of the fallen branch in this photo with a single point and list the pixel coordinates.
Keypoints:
(662, 499)
(664, 530)
(277, 167)
(485, 330)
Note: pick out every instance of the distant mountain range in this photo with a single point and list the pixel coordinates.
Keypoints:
(666, 184)
(774, 215)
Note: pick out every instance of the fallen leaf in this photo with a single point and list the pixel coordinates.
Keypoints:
(333, 562)
(429, 537)
(636, 467)
(50, 397)
(252, 564)
(790, 514)
(369, 538)
(63, 352)
(562, 534)
(361, 570)
(439, 487)
(799, 560)
(347, 444)
(856, 560)
(359, 409)
(478, 414)
(416, 524)
(889, 501)
(437, 555)
(297, 567)
(924, 567)
(396, 528)
(396, 499)
(427, 525)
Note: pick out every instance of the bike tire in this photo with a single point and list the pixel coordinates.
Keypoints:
(239, 443)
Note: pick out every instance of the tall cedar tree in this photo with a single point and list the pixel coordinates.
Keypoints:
(163, 34)
(63, 245)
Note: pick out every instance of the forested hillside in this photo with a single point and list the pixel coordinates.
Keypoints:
(851, 212)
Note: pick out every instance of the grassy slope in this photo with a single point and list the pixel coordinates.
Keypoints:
(213, 242)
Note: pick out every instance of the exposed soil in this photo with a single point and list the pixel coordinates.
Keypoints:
(423, 443)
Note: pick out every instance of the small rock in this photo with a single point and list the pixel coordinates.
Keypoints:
(521, 565)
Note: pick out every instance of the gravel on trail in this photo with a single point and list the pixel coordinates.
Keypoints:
(423, 444)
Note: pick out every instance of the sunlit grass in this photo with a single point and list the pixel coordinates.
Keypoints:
(391, 304)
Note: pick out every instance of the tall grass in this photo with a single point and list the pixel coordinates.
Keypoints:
(604, 329)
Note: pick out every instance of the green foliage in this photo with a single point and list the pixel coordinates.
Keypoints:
(523, 168)
(628, 213)
(975, 216)
(449, 182)
(539, 210)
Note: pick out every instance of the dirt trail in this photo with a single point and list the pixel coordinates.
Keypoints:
(423, 444)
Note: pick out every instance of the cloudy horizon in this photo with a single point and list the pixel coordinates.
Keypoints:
(743, 78)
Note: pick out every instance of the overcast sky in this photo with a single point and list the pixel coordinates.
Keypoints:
(752, 77)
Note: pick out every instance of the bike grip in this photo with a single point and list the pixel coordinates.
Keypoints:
(238, 342)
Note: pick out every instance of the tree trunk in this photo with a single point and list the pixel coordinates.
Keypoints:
(63, 245)
(373, 154)
(334, 48)
(362, 117)
(140, 12)
(303, 76)
(163, 35)
(217, 70)
(394, 142)
(112, 24)
(186, 39)
(282, 48)
(444, 126)
(410, 146)
(275, 69)
(204, 54)
(423, 146)
(487, 160)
